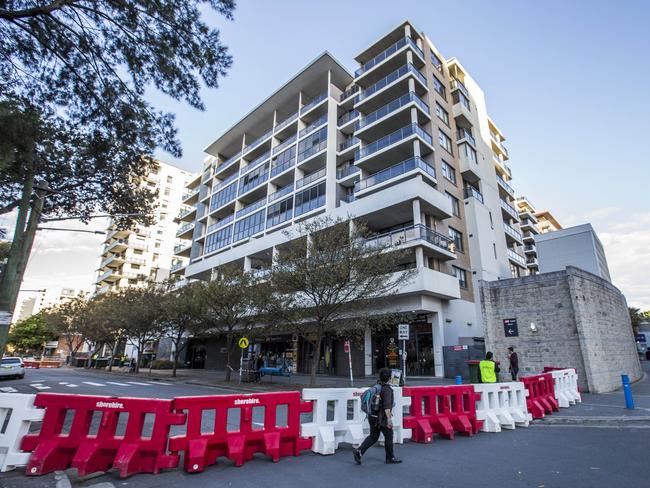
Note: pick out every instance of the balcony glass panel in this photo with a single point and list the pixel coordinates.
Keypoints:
(349, 142)
(313, 126)
(310, 178)
(218, 240)
(389, 52)
(391, 107)
(342, 173)
(312, 144)
(393, 138)
(411, 233)
(310, 199)
(250, 208)
(349, 92)
(395, 170)
(255, 163)
(285, 122)
(249, 226)
(465, 134)
(226, 182)
(229, 161)
(258, 141)
(281, 192)
(398, 73)
(279, 212)
(512, 231)
(223, 197)
(517, 257)
(220, 223)
(471, 192)
(347, 117)
(284, 144)
(254, 179)
(313, 102)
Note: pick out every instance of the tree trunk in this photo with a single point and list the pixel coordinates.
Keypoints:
(228, 356)
(110, 364)
(137, 362)
(315, 360)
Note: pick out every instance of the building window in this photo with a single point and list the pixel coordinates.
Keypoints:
(439, 87)
(461, 274)
(436, 61)
(491, 221)
(514, 271)
(249, 226)
(455, 205)
(169, 179)
(444, 141)
(494, 247)
(312, 144)
(442, 114)
(457, 237)
(310, 199)
(157, 245)
(224, 196)
(449, 172)
(470, 153)
(168, 191)
(254, 178)
(459, 97)
(279, 212)
(156, 256)
(218, 239)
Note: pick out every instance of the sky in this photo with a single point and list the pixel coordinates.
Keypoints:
(565, 81)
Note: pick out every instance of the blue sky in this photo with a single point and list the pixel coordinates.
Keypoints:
(565, 81)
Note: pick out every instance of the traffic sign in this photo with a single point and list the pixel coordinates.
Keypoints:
(403, 332)
(510, 327)
(243, 342)
(346, 347)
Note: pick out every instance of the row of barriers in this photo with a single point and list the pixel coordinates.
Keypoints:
(142, 435)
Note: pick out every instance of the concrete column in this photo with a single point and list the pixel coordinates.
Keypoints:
(275, 256)
(411, 85)
(247, 263)
(438, 341)
(367, 355)
(417, 212)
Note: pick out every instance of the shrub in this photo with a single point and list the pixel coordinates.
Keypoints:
(162, 364)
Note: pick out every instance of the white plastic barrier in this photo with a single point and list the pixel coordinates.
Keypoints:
(566, 387)
(348, 422)
(21, 412)
(502, 405)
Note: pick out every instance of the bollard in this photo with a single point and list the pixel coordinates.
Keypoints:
(459, 380)
(629, 401)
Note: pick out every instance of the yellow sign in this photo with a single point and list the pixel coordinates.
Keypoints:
(243, 342)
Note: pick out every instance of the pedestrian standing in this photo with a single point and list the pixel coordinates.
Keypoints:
(514, 363)
(382, 422)
(488, 369)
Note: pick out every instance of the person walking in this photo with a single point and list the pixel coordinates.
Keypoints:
(488, 369)
(382, 423)
(513, 359)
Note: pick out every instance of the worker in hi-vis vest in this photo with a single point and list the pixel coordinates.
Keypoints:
(488, 369)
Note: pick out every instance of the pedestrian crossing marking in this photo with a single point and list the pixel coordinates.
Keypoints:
(63, 382)
(41, 387)
(8, 389)
(159, 383)
(137, 383)
(116, 383)
(72, 385)
(93, 384)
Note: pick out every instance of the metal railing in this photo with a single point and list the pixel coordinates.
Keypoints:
(284, 144)
(347, 117)
(456, 84)
(190, 194)
(392, 107)
(184, 228)
(387, 53)
(285, 190)
(349, 92)
(505, 185)
(315, 101)
(349, 142)
(471, 192)
(517, 257)
(393, 138)
(310, 178)
(249, 208)
(395, 170)
(509, 209)
(313, 126)
(465, 134)
(258, 141)
(512, 231)
(350, 170)
(398, 73)
(411, 233)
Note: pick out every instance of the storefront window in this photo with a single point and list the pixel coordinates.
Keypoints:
(419, 350)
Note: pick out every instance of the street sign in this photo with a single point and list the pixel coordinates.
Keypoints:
(243, 342)
(346, 347)
(510, 327)
(403, 332)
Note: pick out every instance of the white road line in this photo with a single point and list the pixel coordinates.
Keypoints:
(139, 384)
(8, 389)
(41, 387)
(159, 383)
(63, 382)
(93, 384)
(72, 385)
(116, 383)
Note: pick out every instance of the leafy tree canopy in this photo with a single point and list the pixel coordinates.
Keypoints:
(28, 336)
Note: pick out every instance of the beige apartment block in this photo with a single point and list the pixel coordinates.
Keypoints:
(404, 142)
(547, 222)
(530, 229)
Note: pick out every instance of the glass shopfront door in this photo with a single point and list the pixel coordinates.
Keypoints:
(419, 350)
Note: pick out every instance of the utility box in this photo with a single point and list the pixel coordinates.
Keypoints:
(455, 359)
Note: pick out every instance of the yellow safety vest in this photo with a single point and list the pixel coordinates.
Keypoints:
(487, 371)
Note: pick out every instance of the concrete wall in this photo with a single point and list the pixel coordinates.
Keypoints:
(581, 322)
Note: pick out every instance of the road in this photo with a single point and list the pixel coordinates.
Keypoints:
(539, 456)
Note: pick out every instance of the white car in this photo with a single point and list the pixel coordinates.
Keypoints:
(12, 367)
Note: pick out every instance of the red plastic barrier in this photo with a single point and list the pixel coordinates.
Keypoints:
(541, 395)
(548, 369)
(204, 448)
(442, 410)
(32, 364)
(101, 449)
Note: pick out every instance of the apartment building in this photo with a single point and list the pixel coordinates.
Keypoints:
(132, 257)
(547, 222)
(529, 230)
(405, 143)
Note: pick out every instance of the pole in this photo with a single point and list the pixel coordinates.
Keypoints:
(241, 363)
(350, 363)
(629, 401)
(404, 359)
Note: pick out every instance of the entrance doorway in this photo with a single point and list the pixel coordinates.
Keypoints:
(419, 350)
(196, 356)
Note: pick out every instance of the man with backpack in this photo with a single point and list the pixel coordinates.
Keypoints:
(377, 402)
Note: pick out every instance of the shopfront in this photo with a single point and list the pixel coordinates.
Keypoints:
(386, 350)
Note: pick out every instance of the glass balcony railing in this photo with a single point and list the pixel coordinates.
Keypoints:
(258, 141)
(509, 209)
(349, 198)
(349, 142)
(349, 92)
(178, 248)
(395, 170)
(315, 149)
(393, 138)
(281, 168)
(318, 99)
(190, 194)
(465, 134)
(310, 178)
(254, 183)
(255, 163)
(229, 161)
(392, 107)
(389, 52)
(285, 122)
(221, 223)
(505, 185)
(502, 164)
(176, 266)
(517, 257)
(398, 73)
(226, 182)
(347, 117)
(409, 234)
(284, 144)
(350, 170)
(512, 231)
(184, 228)
(456, 84)
(313, 126)
(286, 190)
(250, 208)
(471, 192)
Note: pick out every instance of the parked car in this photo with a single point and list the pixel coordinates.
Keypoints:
(12, 367)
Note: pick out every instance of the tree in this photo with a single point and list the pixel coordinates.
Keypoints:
(635, 317)
(327, 277)
(71, 321)
(180, 309)
(229, 306)
(29, 336)
(73, 115)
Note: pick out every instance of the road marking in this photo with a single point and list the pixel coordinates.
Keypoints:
(63, 382)
(93, 384)
(41, 387)
(139, 384)
(159, 383)
(72, 385)
(116, 383)
(8, 389)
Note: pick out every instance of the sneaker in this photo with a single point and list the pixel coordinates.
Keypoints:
(393, 461)
(357, 455)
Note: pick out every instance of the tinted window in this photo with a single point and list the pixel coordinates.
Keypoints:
(11, 361)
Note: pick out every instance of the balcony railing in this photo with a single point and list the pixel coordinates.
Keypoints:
(313, 126)
(502, 164)
(280, 193)
(176, 266)
(347, 117)
(313, 102)
(512, 231)
(349, 198)
(284, 144)
(311, 178)
(229, 161)
(350, 170)
(471, 192)
(530, 247)
(509, 209)
(190, 194)
(517, 257)
(395, 170)
(456, 84)
(255, 163)
(387, 53)
(258, 141)
(392, 107)
(412, 233)
(393, 138)
(261, 179)
(185, 212)
(503, 183)
(280, 168)
(531, 261)
(226, 182)
(398, 73)
(315, 149)
(349, 142)
(221, 223)
(465, 134)
(250, 208)
(349, 92)
(184, 228)
(180, 247)
(287, 121)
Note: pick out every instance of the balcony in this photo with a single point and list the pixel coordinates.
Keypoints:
(281, 125)
(516, 257)
(348, 143)
(395, 171)
(253, 183)
(497, 142)
(513, 233)
(502, 166)
(185, 231)
(392, 139)
(229, 162)
(412, 234)
(280, 193)
(347, 117)
(456, 84)
(532, 262)
(315, 101)
(409, 99)
(502, 183)
(349, 92)
(254, 163)
(529, 225)
(313, 126)
(257, 141)
(113, 261)
(528, 237)
(431, 282)
(313, 150)
(471, 192)
(281, 168)
(141, 246)
(176, 266)
(220, 223)
(134, 260)
(250, 208)
(284, 144)
(183, 249)
(406, 41)
(307, 180)
(117, 246)
(186, 212)
(465, 135)
(509, 210)
(530, 249)
(390, 79)
(109, 276)
(345, 172)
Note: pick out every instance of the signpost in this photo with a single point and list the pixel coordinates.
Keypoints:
(403, 335)
(510, 327)
(347, 349)
(243, 344)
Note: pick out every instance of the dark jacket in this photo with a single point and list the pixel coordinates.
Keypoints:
(514, 362)
(386, 403)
